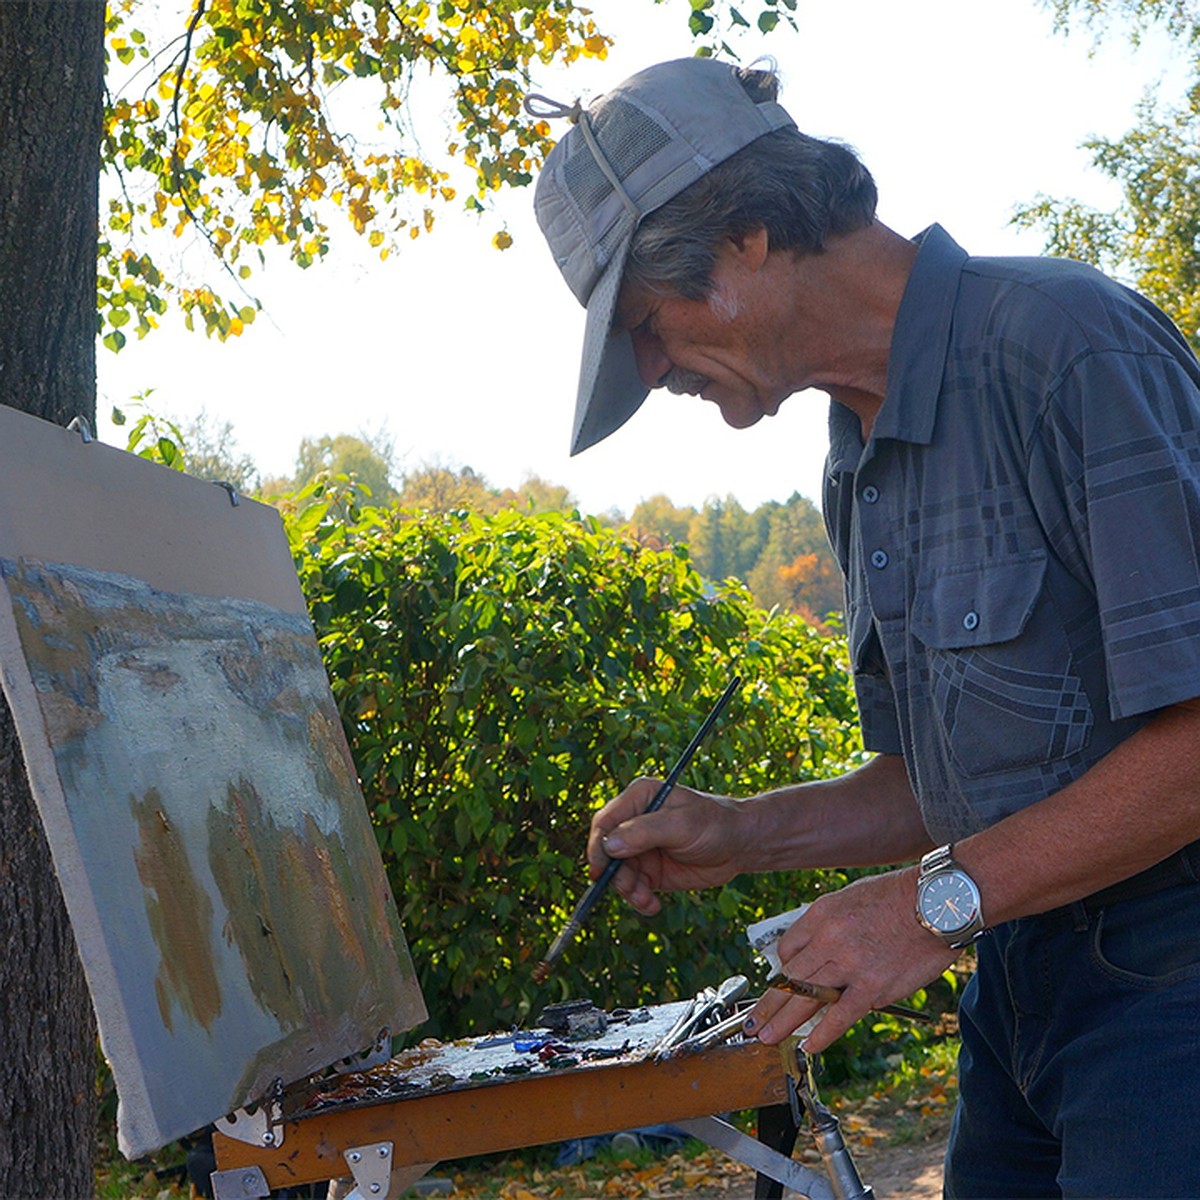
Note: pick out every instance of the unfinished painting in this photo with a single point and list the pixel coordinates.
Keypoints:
(215, 852)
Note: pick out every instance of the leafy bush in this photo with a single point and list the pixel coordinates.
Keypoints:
(500, 678)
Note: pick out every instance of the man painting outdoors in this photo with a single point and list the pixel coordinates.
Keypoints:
(1012, 487)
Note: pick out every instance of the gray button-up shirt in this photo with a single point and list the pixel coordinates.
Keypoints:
(1019, 535)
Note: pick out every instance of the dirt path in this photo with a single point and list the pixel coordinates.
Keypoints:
(910, 1172)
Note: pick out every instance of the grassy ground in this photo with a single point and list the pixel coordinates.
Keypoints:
(906, 1107)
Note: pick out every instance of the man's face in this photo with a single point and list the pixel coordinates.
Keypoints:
(716, 348)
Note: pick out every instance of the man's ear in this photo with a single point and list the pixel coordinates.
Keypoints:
(752, 247)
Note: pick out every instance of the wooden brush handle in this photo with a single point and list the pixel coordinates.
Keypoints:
(802, 987)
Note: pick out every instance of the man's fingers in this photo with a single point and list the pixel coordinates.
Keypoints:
(778, 1014)
(629, 804)
(636, 887)
(836, 1020)
(644, 898)
(768, 1004)
(668, 830)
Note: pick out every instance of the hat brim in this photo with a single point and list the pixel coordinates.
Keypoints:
(610, 389)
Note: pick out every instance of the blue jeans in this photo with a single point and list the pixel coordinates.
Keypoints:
(1079, 1073)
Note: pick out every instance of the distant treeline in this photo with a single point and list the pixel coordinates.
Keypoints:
(778, 549)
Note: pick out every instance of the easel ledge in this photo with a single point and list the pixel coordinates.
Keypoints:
(523, 1112)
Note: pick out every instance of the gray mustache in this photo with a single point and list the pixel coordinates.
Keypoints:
(684, 383)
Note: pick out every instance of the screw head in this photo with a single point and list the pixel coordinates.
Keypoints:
(248, 1181)
(268, 1138)
(383, 1152)
(355, 1156)
(375, 1189)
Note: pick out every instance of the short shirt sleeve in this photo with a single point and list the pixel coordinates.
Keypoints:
(1116, 478)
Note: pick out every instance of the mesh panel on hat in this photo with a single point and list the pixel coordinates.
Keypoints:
(628, 138)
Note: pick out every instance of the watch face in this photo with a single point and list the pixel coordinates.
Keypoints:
(948, 902)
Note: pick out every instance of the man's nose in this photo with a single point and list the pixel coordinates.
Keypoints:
(653, 364)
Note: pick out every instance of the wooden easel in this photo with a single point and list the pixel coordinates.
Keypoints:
(384, 1144)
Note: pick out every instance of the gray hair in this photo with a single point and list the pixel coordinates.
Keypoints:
(800, 189)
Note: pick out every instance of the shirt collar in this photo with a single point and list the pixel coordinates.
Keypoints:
(916, 358)
(921, 338)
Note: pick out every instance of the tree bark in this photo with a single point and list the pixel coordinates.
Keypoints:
(51, 114)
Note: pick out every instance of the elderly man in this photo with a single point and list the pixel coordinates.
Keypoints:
(1012, 491)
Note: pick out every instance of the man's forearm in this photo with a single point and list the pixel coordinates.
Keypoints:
(1136, 806)
(867, 817)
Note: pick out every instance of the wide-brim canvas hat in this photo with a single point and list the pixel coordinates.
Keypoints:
(628, 153)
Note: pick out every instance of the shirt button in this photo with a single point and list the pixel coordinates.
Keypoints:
(879, 559)
(870, 493)
(971, 620)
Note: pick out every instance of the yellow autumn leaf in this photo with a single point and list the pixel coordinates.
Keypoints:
(502, 240)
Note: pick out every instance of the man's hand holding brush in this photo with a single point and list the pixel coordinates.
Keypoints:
(694, 841)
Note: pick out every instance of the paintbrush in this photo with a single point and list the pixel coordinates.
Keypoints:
(600, 886)
(831, 995)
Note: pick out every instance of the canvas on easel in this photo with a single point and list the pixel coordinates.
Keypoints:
(216, 857)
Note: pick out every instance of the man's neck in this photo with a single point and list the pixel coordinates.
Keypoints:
(854, 290)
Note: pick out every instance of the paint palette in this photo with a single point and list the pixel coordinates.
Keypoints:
(626, 1036)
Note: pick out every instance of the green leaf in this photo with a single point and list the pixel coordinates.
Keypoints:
(115, 340)
(767, 21)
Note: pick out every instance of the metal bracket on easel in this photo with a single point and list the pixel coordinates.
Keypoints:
(242, 1183)
(81, 426)
(371, 1167)
(379, 1052)
(230, 491)
(261, 1127)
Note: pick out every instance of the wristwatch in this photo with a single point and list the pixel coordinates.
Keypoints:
(948, 902)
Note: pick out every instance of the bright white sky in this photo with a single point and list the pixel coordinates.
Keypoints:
(468, 356)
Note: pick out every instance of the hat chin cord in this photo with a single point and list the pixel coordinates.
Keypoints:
(537, 105)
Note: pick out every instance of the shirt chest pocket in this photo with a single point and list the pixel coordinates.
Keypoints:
(998, 667)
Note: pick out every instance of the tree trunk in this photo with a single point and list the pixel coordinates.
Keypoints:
(51, 114)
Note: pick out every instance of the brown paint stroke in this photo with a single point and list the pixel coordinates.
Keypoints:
(309, 943)
(180, 912)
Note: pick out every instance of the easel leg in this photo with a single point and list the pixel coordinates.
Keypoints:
(826, 1131)
(777, 1129)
